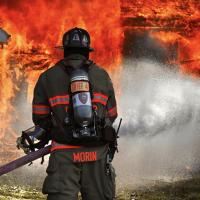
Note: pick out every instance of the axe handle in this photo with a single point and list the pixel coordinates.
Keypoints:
(24, 160)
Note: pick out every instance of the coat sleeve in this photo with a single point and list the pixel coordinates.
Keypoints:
(111, 103)
(41, 113)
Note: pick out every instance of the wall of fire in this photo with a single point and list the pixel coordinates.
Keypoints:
(165, 31)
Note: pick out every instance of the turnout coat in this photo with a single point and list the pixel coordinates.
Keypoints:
(51, 95)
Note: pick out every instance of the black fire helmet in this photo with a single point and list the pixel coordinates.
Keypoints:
(77, 38)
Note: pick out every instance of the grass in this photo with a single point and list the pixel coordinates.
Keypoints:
(181, 190)
(19, 193)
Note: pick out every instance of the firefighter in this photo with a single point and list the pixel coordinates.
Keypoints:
(74, 102)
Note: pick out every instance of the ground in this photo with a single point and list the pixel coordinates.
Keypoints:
(180, 190)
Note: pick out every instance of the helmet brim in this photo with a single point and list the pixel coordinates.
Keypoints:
(62, 48)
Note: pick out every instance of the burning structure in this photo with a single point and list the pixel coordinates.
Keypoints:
(32, 50)
(174, 25)
(167, 31)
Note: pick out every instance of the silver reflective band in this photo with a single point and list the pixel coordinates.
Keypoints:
(78, 78)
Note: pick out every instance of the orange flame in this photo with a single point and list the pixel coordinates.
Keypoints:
(169, 22)
(36, 28)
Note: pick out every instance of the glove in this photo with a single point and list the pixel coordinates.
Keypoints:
(21, 145)
(32, 138)
(109, 134)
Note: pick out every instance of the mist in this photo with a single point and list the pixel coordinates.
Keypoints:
(160, 133)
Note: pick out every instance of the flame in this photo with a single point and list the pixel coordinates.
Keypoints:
(160, 9)
(170, 22)
(36, 28)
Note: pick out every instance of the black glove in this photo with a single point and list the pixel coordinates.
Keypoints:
(109, 134)
(22, 145)
(112, 150)
(32, 138)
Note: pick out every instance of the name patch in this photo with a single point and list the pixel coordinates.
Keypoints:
(85, 156)
(79, 86)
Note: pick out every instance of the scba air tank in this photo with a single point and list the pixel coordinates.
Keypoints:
(81, 97)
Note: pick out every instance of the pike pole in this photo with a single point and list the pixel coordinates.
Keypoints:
(24, 160)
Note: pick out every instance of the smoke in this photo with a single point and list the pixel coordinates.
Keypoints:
(160, 133)
(28, 175)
